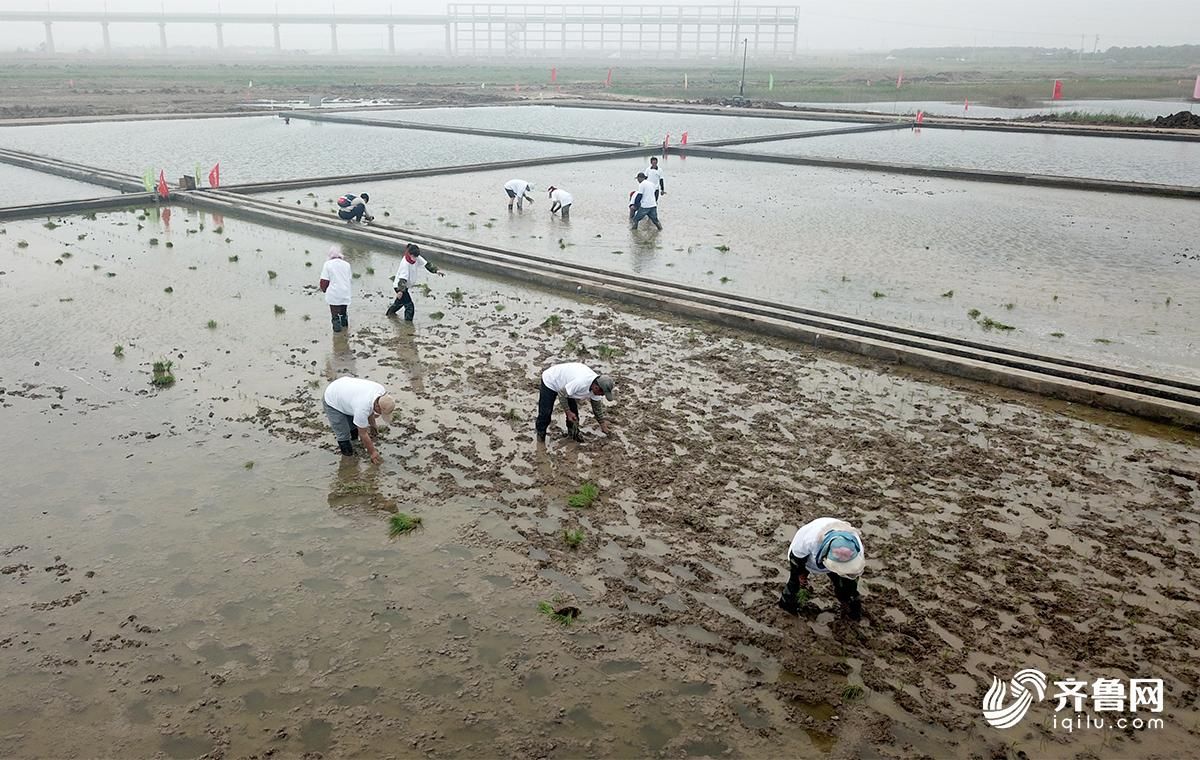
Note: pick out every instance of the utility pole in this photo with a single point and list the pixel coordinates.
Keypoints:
(745, 47)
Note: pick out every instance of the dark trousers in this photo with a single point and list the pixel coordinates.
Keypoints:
(546, 401)
(352, 214)
(403, 301)
(642, 213)
(844, 589)
(338, 311)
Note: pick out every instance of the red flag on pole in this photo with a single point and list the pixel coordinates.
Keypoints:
(163, 190)
(966, 105)
(214, 176)
(1057, 90)
(553, 75)
(920, 116)
(683, 140)
(608, 81)
(900, 79)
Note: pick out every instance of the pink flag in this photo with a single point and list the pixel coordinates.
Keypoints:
(683, 140)
(163, 190)
(966, 105)
(553, 75)
(1196, 92)
(214, 176)
(920, 116)
(1057, 90)
(667, 141)
(900, 80)
(608, 82)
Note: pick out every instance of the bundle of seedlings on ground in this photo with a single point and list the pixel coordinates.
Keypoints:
(606, 352)
(118, 350)
(988, 323)
(401, 523)
(552, 323)
(562, 615)
(853, 692)
(573, 538)
(279, 309)
(456, 296)
(583, 498)
(161, 374)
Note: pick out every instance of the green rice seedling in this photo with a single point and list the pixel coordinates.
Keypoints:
(163, 365)
(552, 323)
(228, 240)
(357, 275)
(1105, 341)
(279, 309)
(110, 274)
(1168, 300)
(308, 263)
(219, 230)
(212, 324)
(95, 267)
(58, 261)
(370, 270)
(436, 315)
(306, 318)
(272, 274)
(66, 254)
(584, 497)
(1057, 334)
(988, 323)
(709, 272)
(563, 616)
(561, 244)
(22, 243)
(314, 383)
(573, 538)
(90, 216)
(81, 236)
(617, 253)
(387, 213)
(570, 345)
(161, 375)
(118, 350)
(471, 213)
(51, 225)
(233, 259)
(1054, 297)
(401, 523)
(456, 296)
(489, 225)
(1010, 306)
(170, 244)
(512, 415)
(853, 692)
(499, 307)
(845, 278)
(723, 248)
(424, 287)
(249, 465)
(948, 294)
(877, 294)
(726, 279)
(153, 241)
(607, 352)
(974, 313)
(192, 268)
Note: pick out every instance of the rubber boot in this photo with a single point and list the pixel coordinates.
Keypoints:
(395, 307)
(345, 320)
(354, 433)
(337, 323)
(410, 310)
(853, 607)
(789, 604)
(346, 448)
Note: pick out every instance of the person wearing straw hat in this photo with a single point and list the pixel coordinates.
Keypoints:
(826, 546)
(352, 406)
(569, 383)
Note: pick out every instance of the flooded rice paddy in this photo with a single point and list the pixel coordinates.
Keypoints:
(1147, 109)
(644, 127)
(1155, 161)
(204, 574)
(262, 148)
(1101, 277)
(20, 187)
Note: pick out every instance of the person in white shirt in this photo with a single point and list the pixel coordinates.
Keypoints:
(826, 546)
(352, 405)
(655, 175)
(356, 211)
(560, 200)
(645, 202)
(335, 284)
(518, 190)
(407, 276)
(569, 383)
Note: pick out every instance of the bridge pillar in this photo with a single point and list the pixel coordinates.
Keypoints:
(220, 36)
(49, 38)
(278, 42)
(333, 38)
(162, 35)
(107, 38)
(391, 39)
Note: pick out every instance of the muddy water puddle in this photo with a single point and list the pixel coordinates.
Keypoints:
(1110, 285)
(208, 601)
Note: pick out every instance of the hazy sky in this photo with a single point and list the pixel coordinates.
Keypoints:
(847, 25)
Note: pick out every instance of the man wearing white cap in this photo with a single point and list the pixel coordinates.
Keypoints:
(352, 406)
(518, 190)
(570, 383)
(826, 546)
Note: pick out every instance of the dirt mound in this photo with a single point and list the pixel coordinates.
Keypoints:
(1181, 120)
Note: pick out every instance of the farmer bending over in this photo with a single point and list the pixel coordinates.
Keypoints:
(827, 546)
(570, 383)
(352, 406)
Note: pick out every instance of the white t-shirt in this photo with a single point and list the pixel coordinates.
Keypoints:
(807, 540)
(518, 186)
(573, 378)
(411, 272)
(337, 271)
(654, 175)
(355, 397)
(561, 196)
(647, 189)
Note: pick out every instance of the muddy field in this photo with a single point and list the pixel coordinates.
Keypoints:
(193, 570)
